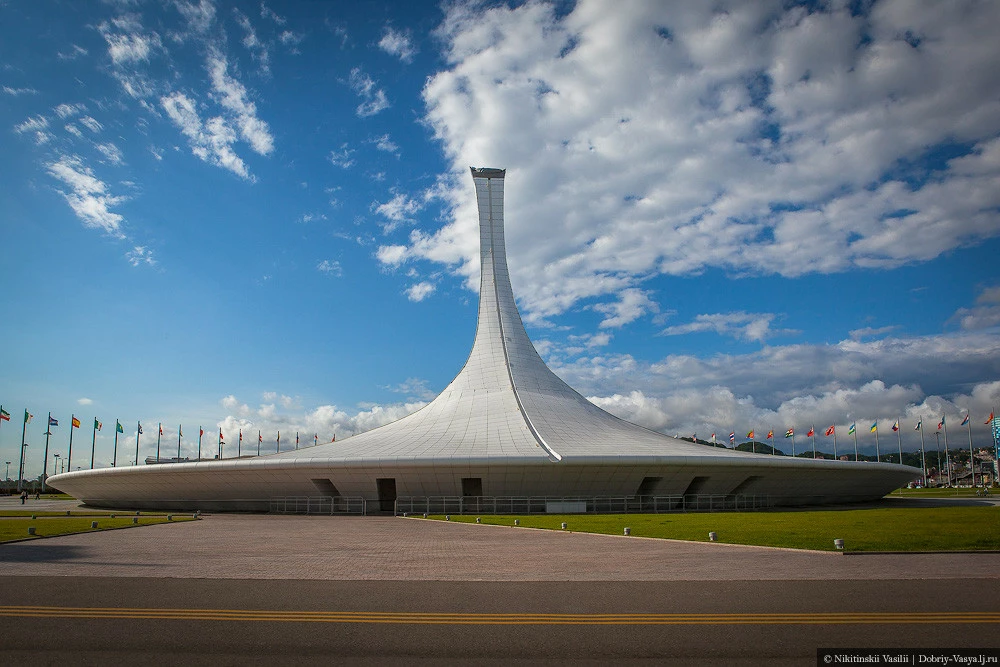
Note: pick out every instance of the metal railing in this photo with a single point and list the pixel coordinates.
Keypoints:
(591, 505)
(318, 505)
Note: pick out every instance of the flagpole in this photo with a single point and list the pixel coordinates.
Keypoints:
(180, 432)
(220, 443)
(878, 455)
(835, 442)
(258, 443)
(69, 456)
(114, 460)
(45, 465)
(159, 434)
(239, 445)
(297, 440)
(138, 432)
(201, 432)
(972, 456)
(20, 468)
(923, 455)
(771, 432)
(813, 429)
(93, 445)
(947, 455)
(277, 447)
(899, 438)
(793, 443)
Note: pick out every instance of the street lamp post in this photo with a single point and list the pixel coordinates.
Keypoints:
(55, 464)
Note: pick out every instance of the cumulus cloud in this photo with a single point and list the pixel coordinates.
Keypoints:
(88, 196)
(232, 95)
(398, 43)
(85, 401)
(384, 143)
(741, 325)
(633, 303)
(756, 138)
(419, 291)
(397, 210)
(373, 98)
(391, 255)
(986, 312)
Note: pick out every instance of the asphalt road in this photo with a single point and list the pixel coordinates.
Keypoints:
(152, 621)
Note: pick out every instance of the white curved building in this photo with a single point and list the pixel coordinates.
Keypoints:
(505, 426)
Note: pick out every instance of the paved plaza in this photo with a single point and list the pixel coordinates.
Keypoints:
(245, 546)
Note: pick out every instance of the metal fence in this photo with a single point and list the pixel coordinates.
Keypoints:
(317, 505)
(567, 505)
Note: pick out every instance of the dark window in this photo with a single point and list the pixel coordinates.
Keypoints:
(386, 494)
(472, 486)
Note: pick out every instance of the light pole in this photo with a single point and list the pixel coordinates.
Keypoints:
(55, 464)
(6, 477)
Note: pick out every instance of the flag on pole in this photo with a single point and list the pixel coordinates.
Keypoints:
(201, 431)
(965, 421)
(770, 434)
(941, 423)
(4, 415)
(118, 427)
(812, 432)
(854, 427)
(895, 425)
(296, 439)
(241, 435)
(75, 422)
(874, 427)
(140, 428)
(830, 431)
(789, 433)
(750, 435)
(180, 431)
(27, 417)
(920, 422)
(732, 437)
(161, 429)
(989, 419)
(221, 439)
(98, 425)
(260, 438)
(316, 439)
(53, 421)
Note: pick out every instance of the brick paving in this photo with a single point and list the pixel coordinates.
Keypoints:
(230, 546)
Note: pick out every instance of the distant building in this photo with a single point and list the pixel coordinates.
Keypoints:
(505, 426)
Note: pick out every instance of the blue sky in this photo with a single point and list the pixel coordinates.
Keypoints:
(259, 216)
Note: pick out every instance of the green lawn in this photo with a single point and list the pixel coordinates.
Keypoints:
(881, 529)
(939, 493)
(16, 527)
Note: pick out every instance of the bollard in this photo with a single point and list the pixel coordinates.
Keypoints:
(838, 543)
(447, 517)
(479, 519)
(31, 530)
(564, 525)
(67, 513)
(135, 519)
(406, 514)
(170, 517)
(712, 537)
(517, 522)
(194, 516)
(425, 515)
(93, 524)
(112, 516)
(137, 514)
(33, 517)
(628, 531)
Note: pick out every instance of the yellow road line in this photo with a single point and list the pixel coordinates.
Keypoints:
(436, 618)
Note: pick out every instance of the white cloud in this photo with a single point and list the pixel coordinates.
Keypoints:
(258, 50)
(745, 326)
(85, 401)
(415, 388)
(211, 141)
(15, 92)
(289, 38)
(986, 312)
(88, 196)
(198, 16)
(397, 210)
(419, 291)
(91, 124)
(233, 96)
(38, 125)
(384, 143)
(67, 110)
(750, 137)
(399, 44)
(373, 98)
(633, 304)
(267, 13)
(111, 153)
(392, 255)
(140, 255)
(330, 266)
(342, 158)
(74, 53)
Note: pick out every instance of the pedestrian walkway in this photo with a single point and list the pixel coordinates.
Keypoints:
(233, 546)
